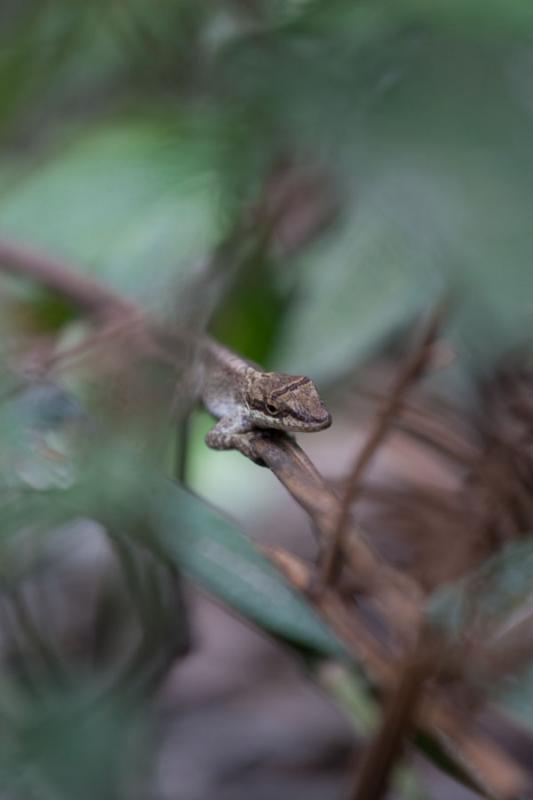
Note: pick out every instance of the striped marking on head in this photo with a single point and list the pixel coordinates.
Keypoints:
(289, 387)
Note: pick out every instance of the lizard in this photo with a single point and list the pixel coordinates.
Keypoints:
(238, 393)
(244, 398)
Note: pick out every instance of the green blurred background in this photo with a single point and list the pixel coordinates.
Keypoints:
(132, 136)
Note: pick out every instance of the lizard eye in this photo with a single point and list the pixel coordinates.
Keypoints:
(272, 409)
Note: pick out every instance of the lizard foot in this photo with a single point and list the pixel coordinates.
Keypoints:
(243, 442)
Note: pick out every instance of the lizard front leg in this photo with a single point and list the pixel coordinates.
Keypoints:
(232, 432)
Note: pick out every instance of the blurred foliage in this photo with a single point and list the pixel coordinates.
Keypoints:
(133, 139)
(123, 197)
(62, 730)
(501, 586)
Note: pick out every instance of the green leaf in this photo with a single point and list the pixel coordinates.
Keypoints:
(429, 138)
(515, 693)
(210, 548)
(70, 743)
(485, 606)
(135, 202)
(126, 495)
(488, 595)
(473, 16)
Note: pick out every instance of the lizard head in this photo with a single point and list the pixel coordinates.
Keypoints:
(286, 402)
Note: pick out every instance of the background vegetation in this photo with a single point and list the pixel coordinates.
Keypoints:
(306, 179)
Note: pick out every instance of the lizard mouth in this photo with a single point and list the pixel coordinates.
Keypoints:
(309, 423)
(320, 423)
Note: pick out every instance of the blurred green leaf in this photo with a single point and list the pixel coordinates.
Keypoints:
(352, 692)
(486, 596)
(491, 608)
(33, 44)
(515, 693)
(204, 544)
(70, 742)
(475, 18)
(211, 550)
(122, 491)
(135, 202)
(428, 133)
(429, 137)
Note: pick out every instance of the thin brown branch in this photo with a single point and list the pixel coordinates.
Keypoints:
(346, 621)
(412, 370)
(61, 277)
(430, 427)
(108, 333)
(397, 596)
(397, 724)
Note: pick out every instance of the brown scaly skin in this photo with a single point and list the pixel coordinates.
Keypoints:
(244, 399)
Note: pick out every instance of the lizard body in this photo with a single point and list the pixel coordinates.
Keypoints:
(243, 398)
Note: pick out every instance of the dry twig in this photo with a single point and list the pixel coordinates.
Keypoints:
(63, 278)
(412, 370)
